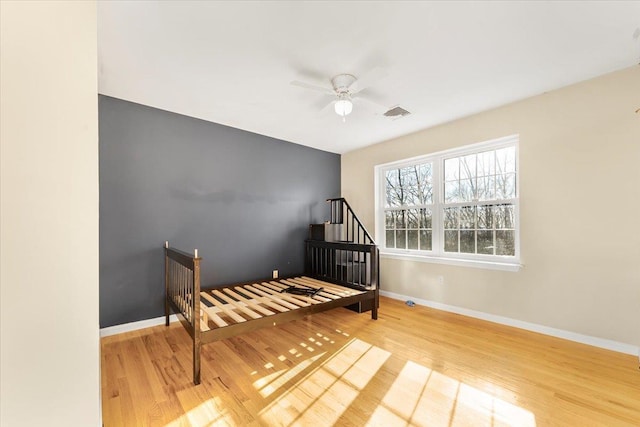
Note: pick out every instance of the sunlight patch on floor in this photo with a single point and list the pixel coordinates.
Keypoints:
(272, 382)
(324, 394)
(422, 397)
(208, 414)
(320, 388)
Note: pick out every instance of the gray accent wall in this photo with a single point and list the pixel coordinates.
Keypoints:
(244, 200)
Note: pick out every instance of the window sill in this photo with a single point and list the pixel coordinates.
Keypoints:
(487, 265)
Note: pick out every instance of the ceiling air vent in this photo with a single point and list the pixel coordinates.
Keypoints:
(396, 112)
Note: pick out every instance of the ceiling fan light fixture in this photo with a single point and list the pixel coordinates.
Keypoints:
(343, 107)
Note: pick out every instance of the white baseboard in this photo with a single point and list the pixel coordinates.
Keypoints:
(134, 326)
(558, 333)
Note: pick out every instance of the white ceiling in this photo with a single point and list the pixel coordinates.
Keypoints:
(232, 62)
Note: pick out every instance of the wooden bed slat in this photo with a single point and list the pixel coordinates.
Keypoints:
(264, 300)
(214, 317)
(256, 300)
(340, 290)
(326, 285)
(246, 310)
(314, 300)
(323, 293)
(276, 293)
(204, 322)
(298, 299)
(235, 316)
(248, 302)
(270, 296)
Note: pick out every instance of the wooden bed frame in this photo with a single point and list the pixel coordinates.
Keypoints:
(221, 313)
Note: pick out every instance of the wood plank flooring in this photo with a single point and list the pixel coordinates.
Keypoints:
(413, 366)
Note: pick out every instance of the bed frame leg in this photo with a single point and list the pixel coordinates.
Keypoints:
(166, 284)
(196, 362)
(374, 310)
(166, 312)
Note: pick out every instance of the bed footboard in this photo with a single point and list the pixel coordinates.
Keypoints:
(182, 294)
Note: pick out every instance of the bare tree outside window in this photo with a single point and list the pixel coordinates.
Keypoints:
(408, 214)
(478, 217)
(460, 204)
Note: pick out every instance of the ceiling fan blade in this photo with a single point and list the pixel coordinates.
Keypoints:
(313, 87)
(378, 105)
(328, 106)
(368, 79)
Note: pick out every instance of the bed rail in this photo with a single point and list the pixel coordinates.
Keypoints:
(182, 294)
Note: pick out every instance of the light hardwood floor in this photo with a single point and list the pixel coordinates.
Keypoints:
(413, 366)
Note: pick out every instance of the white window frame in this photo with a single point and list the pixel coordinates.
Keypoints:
(437, 254)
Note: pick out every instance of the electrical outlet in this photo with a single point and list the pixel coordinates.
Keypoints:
(275, 274)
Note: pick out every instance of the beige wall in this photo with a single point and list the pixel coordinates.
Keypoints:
(50, 372)
(579, 177)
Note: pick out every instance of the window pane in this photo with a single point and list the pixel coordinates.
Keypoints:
(408, 174)
(425, 218)
(468, 241)
(506, 186)
(468, 167)
(401, 239)
(451, 241)
(503, 216)
(506, 160)
(389, 220)
(451, 191)
(425, 240)
(486, 163)
(451, 169)
(425, 184)
(487, 188)
(509, 190)
(390, 240)
(505, 242)
(400, 219)
(485, 242)
(413, 218)
(412, 239)
(467, 217)
(451, 218)
(408, 186)
(485, 216)
(467, 190)
(393, 188)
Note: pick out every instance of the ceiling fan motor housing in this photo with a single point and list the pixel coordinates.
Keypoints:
(342, 82)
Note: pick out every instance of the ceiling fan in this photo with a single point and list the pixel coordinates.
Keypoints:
(345, 89)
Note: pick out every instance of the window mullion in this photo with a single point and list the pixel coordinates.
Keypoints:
(437, 224)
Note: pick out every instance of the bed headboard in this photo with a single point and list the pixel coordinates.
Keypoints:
(342, 251)
(182, 285)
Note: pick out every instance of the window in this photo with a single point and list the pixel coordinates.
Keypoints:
(459, 204)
